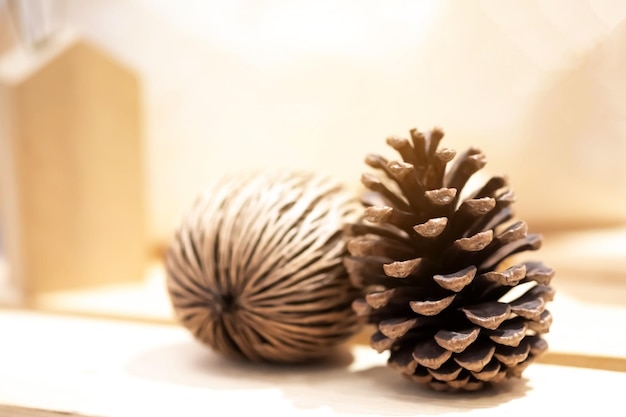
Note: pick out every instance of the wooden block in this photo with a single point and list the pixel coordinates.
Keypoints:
(8, 35)
(72, 183)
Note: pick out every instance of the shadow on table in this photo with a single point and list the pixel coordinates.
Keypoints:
(330, 383)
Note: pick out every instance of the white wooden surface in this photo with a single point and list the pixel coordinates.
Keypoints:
(589, 309)
(56, 365)
(145, 300)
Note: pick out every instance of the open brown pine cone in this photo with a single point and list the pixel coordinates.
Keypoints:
(449, 303)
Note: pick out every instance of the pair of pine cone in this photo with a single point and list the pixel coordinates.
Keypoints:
(259, 268)
(436, 269)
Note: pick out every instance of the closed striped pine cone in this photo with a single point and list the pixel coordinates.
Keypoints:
(444, 285)
(255, 268)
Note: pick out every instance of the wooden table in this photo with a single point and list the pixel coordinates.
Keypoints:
(57, 365)
(589, 313)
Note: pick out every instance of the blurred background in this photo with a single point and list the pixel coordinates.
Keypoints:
(115, 114)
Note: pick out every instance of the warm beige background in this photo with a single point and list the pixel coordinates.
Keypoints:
(539, 85)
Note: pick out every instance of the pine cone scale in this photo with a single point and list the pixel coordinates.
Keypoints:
(476, 356)
(431, 228)
(456, 341)
(488, 315)
(431, 307)
(397, 327)
(489, 371)
(511, 356)
(449, 371)
(430, 355)
(510, 333)
(457, 280)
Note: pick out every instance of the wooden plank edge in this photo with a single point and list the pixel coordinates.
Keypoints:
(34, 308)
(583, 361)
(23, 411)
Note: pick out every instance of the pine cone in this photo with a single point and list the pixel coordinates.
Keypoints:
(450, 305)
(255, 268)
